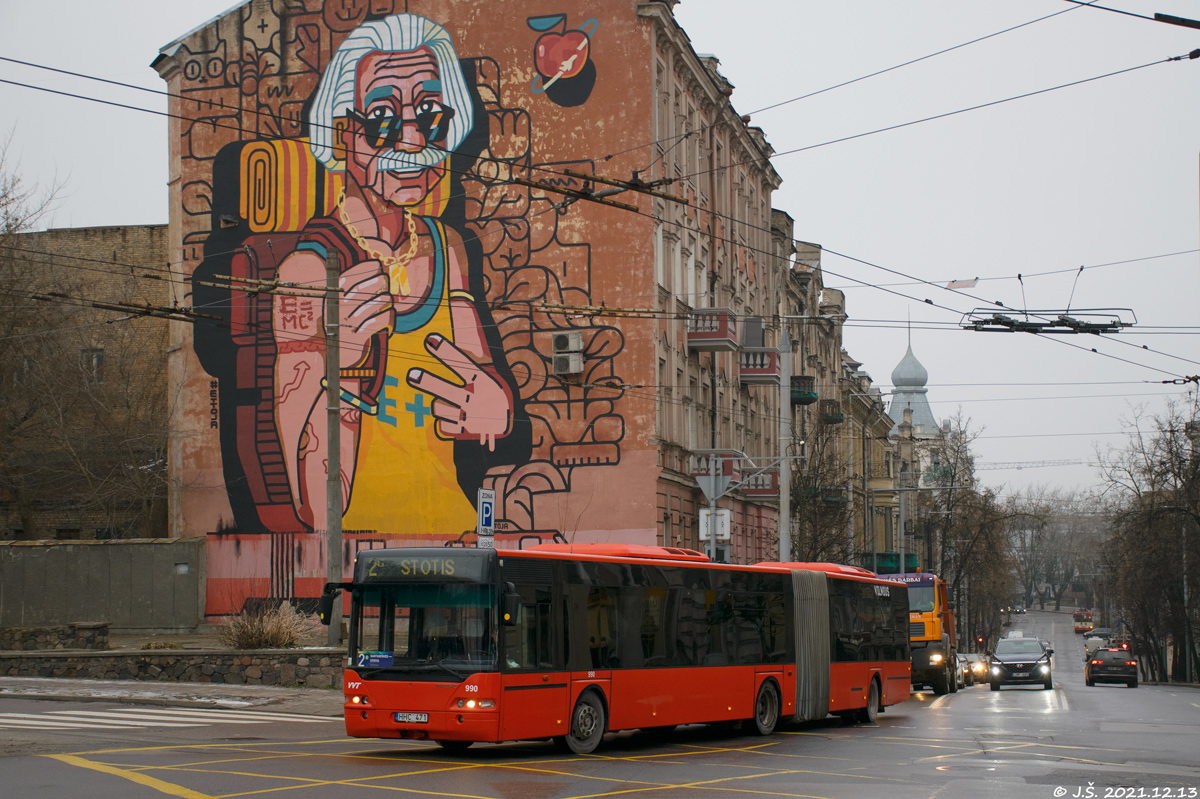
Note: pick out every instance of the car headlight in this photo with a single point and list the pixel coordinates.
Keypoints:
(996, 670)
(1045, 669)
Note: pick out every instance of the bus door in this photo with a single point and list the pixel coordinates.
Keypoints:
(536, 689)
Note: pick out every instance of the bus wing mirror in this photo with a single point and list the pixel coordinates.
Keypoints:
(325, 605)
(510, 604)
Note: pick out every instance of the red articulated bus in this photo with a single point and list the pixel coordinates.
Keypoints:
(570, 641)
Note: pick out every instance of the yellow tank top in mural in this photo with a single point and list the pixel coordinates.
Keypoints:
(405, 482)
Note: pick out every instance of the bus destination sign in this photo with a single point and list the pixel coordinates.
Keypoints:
(383, 565)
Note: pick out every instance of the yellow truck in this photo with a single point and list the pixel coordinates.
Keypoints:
(931, 632)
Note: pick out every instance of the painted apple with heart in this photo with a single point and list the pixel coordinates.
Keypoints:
(561, 55)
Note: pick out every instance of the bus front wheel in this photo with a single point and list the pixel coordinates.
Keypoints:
(766, 708)
(587, 725)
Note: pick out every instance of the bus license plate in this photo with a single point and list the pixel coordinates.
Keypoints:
(412, 718)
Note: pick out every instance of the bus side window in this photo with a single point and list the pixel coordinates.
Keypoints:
(655, 648)
(602, 623)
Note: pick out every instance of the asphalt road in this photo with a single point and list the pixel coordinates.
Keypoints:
(1019, 741)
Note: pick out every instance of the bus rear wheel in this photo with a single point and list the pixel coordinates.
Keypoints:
(766, 708)
(870, 713)
(587, 725)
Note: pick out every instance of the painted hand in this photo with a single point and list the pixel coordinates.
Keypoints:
(366, 308)
(481, 408)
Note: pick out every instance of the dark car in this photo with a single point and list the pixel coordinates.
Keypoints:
(1111, 665)
(1021, 661)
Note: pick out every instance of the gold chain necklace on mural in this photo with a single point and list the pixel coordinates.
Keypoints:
(396, 265)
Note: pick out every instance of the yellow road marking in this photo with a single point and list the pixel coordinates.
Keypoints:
(133, 776)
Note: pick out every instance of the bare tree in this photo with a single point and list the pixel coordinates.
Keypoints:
(1153, 497)
(819, 503)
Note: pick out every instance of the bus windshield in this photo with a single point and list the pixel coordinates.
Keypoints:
(439, 630)
(920, 598)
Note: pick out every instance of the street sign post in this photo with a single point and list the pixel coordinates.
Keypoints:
(714, 524)
(485, 505)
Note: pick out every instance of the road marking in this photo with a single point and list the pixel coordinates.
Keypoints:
(238, 714)
(132, 718)
(42, 724)
(133, 776)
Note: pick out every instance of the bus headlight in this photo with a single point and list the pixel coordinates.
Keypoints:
(359, 700)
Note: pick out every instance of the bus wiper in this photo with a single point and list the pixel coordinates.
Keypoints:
(442, 665)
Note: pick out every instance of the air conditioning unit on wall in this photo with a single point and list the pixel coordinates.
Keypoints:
(568, 353)
(568, 341)
(570, 363)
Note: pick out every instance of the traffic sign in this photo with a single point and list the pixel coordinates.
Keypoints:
(714, 524)
(485, 505)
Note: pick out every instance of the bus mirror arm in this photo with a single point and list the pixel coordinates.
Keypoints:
(510, 604)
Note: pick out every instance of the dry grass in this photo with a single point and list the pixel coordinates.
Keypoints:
(280, 627)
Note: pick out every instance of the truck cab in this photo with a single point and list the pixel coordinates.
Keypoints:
(931, 632)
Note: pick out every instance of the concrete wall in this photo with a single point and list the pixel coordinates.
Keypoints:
(145, 584)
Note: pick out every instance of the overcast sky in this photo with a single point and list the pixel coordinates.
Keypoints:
(1104, 174)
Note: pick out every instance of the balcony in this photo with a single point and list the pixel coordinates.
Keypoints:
(728, 465)
(804, 389)
(831, 412)
(759, 365)
(763, 484)
(712, 330)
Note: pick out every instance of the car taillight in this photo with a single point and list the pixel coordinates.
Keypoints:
(1131, 663)
(1095, 662)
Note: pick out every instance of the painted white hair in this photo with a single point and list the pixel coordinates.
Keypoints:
(398, 33)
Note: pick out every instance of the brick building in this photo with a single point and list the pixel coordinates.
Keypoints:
(83, 426)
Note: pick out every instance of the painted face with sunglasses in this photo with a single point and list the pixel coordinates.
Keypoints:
(398, 109)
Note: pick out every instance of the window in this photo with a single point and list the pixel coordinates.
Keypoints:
(602, 621)
(91, 361)
(658, 255)
(413, 626)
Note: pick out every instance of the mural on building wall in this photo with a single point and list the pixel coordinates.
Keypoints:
(396, 153)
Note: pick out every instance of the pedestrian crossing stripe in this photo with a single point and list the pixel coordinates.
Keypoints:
(133, 718)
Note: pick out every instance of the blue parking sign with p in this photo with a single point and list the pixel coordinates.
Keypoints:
(486, 506)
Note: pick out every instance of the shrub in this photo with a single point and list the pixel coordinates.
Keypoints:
(279, 627)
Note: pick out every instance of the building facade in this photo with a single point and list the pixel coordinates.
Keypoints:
(551, 240)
